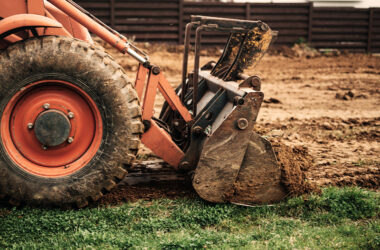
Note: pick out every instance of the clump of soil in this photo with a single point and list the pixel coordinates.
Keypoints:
(294, 162)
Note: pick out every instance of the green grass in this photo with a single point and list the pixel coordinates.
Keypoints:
(340, 218)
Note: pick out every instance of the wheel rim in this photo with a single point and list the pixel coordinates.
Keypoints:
(63, 114)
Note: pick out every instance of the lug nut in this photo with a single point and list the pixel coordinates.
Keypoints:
(46, 106)
(242, 123)
(30, 125)
(70, 140)
(71, 115)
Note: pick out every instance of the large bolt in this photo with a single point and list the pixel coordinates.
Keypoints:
(197, 130)
(70, 140)
(46, 106)
(156, 70)
(70, 115)
(238, 100)
(44, 147)
(30, 125)
(242, 123)
(256, 83)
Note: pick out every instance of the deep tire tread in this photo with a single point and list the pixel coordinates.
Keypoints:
(125, 130)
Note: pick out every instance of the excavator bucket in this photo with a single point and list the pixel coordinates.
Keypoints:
(232, 163)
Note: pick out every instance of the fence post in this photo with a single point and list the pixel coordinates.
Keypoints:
(180, 21)
(247, 11)
(112, 13)
(370, 27)
(310, 25)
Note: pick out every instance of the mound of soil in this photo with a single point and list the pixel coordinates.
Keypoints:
(294, 162)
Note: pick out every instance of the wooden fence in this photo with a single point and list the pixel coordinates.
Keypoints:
(164, 21)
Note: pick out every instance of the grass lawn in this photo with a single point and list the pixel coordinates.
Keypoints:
(339, 218)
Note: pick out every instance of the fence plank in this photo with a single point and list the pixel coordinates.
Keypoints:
(370, 27)
(112, 13)
(339, 30)
(248, 11)
(310, 26)
(152, 5)
(164, 21)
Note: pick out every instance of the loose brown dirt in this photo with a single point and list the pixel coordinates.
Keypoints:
(325, 121)
(294, 162)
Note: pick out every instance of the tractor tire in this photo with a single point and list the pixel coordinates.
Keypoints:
(90, 113)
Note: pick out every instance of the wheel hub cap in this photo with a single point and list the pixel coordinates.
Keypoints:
(52, 128)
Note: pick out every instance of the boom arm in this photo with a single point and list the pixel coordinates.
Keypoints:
(156, 138)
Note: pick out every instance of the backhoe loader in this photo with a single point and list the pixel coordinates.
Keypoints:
(72, 121)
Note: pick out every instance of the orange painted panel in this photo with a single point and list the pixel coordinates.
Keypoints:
(161, 143)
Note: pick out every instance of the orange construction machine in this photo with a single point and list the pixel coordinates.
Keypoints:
(71, 120)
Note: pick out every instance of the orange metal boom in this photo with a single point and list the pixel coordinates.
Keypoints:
(155, 138)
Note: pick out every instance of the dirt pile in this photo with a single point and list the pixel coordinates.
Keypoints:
(294, 162)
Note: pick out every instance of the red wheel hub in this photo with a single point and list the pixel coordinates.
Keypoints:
(58, 114)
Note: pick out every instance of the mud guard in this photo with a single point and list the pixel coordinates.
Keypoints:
(7, 25)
